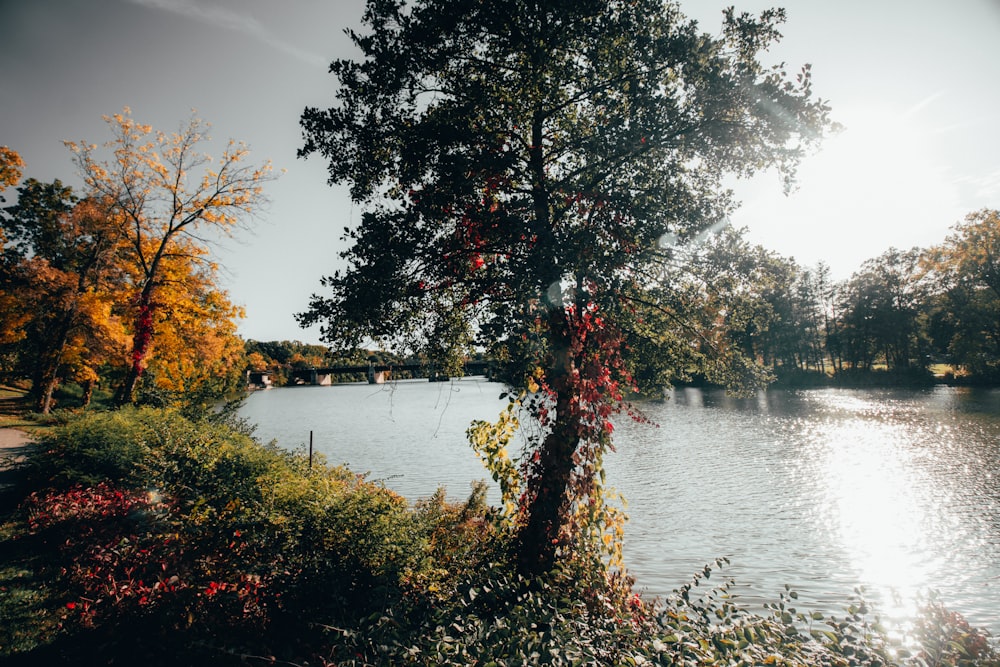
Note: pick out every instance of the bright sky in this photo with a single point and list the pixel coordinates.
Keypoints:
(914, 82)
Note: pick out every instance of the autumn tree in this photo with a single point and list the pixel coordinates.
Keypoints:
(198, 355)
(11, 319)
(526, 168)
(59, 257)
(168, 196)
(11, 168)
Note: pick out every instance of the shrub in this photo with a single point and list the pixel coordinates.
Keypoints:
(99, 447)
(212, 526)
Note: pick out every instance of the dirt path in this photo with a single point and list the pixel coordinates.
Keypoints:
(14, 446)
(13, 441)
(13, 437)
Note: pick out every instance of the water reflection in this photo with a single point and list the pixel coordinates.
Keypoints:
(873, 498)
(821, 489)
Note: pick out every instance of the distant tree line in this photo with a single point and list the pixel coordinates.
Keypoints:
(281, 358)
(900, 316)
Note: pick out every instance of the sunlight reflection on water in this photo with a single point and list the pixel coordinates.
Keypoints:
(823, 490)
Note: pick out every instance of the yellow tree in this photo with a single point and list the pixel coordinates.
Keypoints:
(197, 352)
(169, 196)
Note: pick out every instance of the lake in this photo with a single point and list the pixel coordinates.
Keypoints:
(823, 490)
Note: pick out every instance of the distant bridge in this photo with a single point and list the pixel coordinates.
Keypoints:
(379, 373)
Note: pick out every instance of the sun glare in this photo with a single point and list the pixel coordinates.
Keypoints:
(874, 185)
(875, 513)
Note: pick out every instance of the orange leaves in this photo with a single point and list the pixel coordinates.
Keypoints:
(11, 167)
(151, 175)
(165, 191)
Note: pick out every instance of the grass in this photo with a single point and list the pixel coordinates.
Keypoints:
(29, 612)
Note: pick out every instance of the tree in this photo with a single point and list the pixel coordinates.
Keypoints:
(966, 273)
(166, 193)
(880, 312)
(198, 356)
(11, 321)
(11, 168)
(522, 163)
(59, 258)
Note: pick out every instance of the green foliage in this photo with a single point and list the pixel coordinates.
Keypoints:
(575, 615)
(110, 446)
(568, 616)
(154, 519)
(490, 441)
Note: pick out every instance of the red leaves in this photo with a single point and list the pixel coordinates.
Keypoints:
(575, 402)
(143, 336)
(80, 504)
(213, 588)
(119, 557)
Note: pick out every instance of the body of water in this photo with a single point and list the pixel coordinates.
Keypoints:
(823, 490)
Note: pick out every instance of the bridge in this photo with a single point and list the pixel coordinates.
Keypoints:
(380, 373)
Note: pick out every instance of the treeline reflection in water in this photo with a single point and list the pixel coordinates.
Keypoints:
(823, 490)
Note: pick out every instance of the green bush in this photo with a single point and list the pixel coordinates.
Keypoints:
(112, 446)
(218, 532)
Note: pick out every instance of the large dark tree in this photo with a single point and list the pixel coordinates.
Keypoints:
(529, 165)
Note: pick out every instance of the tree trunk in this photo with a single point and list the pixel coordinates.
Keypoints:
(141, 341)
(548, 482)
(43, 387)
(125, 394)
(47, 368)
(548, 490)
(88, 393)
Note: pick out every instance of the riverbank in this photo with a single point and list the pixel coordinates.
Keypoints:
(863, 379)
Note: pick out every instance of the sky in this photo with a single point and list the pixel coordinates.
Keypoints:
(913, 82)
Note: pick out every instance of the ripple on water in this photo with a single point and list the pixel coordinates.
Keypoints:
(819, 489)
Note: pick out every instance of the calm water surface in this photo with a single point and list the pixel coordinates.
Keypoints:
(823, 490)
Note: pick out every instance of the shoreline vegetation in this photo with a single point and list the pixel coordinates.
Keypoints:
(866, 379)
(144, 535)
